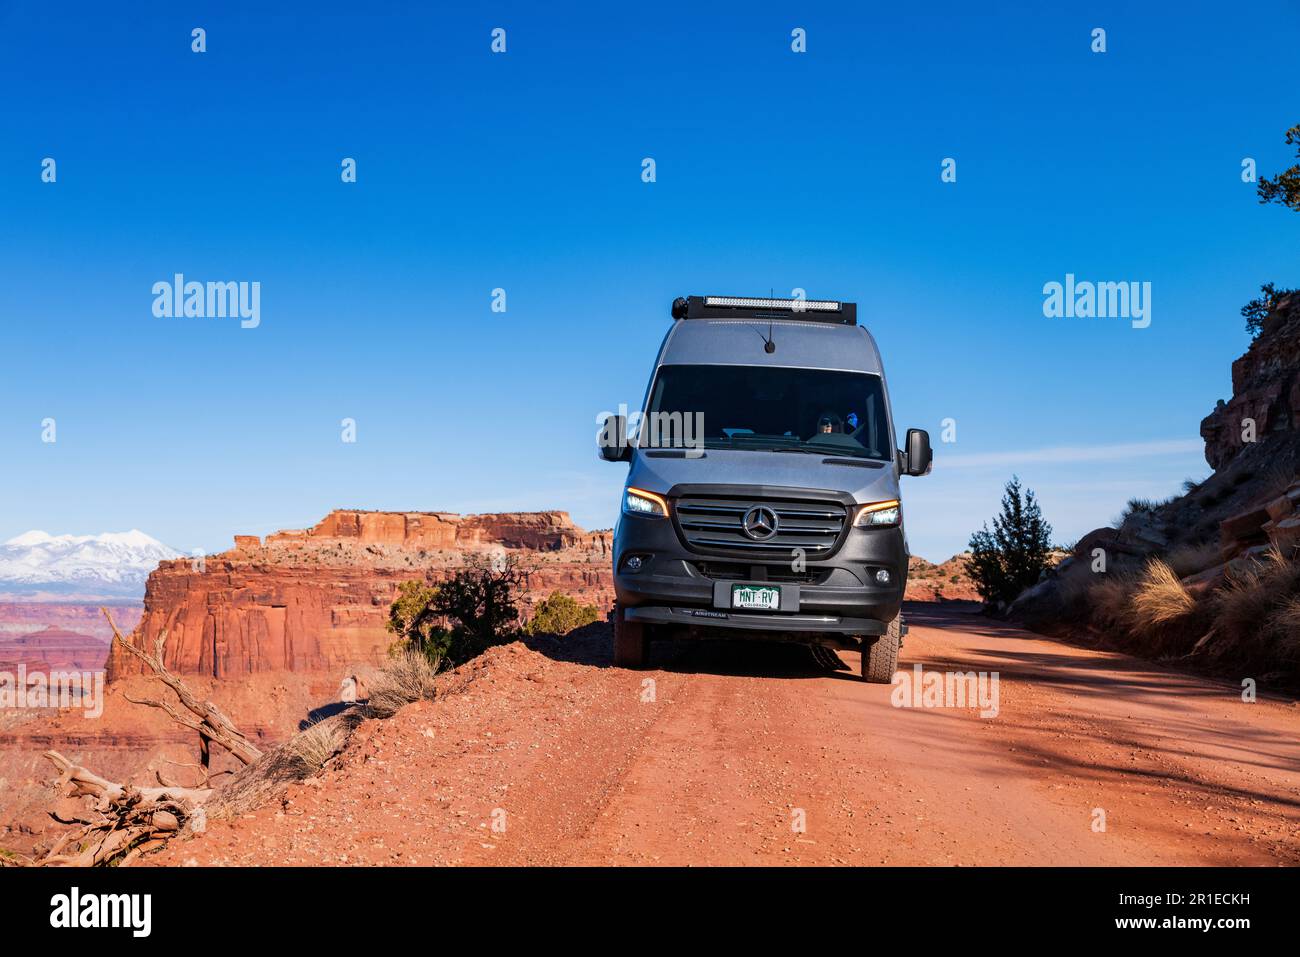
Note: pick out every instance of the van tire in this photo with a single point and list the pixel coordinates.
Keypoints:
(880, 658)
(630, 642)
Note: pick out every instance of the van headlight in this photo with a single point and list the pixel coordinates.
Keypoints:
(640, 502)
(878, 514)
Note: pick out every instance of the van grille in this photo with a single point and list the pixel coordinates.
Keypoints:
(716, 524)
(745, 572)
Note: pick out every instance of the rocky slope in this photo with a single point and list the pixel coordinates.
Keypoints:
(946, 581)
(269, 628)
(1232, 542)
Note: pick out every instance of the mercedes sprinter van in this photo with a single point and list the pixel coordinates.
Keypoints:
(762, 496)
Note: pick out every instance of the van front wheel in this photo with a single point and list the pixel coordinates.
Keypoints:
(630, 642)
(880, 658)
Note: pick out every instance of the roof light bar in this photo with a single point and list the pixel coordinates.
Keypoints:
(794, 305)
(745, 307)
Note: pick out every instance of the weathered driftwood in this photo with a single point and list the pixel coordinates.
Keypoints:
(204, 717)
(85, 783)
(122, 822)
(125, 821)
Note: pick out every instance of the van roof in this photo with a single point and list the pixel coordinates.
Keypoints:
(799, 343)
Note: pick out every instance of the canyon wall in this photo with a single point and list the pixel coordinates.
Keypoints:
(317, 599)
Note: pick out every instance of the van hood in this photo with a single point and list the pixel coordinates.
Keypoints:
(865, 479)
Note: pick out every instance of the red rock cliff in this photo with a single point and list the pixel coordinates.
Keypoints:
(1265, 387)
(317, 599)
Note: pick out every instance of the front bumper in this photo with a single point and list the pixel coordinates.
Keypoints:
(834, 595)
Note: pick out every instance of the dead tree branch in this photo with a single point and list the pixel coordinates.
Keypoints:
(123, 822)
(208, 720)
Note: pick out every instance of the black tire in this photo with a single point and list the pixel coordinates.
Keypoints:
(631, 643)
(880, 658)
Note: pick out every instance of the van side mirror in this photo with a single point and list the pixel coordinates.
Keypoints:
(919, 455)
(612, 441)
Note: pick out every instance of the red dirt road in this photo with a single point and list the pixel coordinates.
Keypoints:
(547, 755)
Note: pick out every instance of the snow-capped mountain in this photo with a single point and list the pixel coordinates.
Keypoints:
(113, 564)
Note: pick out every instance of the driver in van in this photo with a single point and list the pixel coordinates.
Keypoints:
(829, 423)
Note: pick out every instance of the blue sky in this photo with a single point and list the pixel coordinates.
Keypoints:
(522, 171)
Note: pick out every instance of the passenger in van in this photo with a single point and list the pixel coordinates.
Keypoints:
(829, 424)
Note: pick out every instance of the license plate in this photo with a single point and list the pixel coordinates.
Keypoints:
(755, 597)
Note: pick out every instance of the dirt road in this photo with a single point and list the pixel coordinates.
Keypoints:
(736, 753)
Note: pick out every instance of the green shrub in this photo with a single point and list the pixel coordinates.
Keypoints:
(479, 600)
(1012, 557)
(458, 619)
(1285, 187)
(412, 616)
(559, 614)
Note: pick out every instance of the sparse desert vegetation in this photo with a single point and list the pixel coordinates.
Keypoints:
(461, 617)
(1230, 603)
(559, 614)
(406, 678)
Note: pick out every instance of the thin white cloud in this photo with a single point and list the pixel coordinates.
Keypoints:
(1065, 454)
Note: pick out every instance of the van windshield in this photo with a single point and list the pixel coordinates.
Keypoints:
(768, 408)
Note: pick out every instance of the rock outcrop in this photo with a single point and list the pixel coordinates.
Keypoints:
(316, 600)
(1272, 525)
(1265, 389)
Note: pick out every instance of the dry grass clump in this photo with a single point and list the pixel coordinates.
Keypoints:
(1164, 617)
(1251, 622)
(1187, 560)
(1109, 607)
(1147, 612)
(1258, 609)
(319, 742)
(300, 757)
(407, 677)
(1159, 597)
